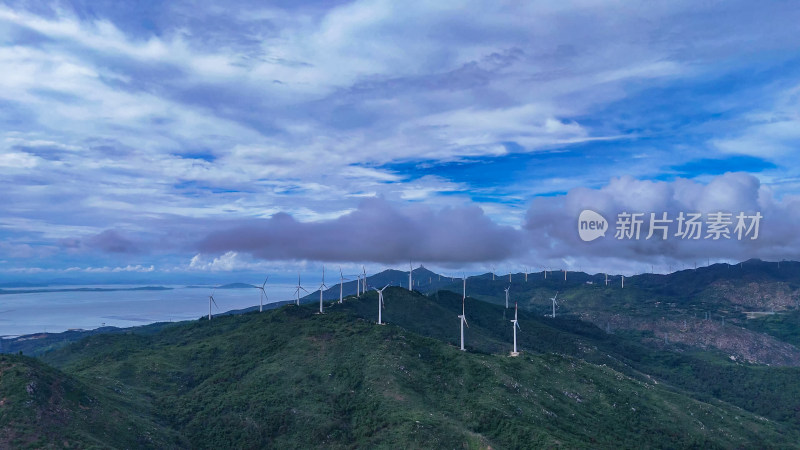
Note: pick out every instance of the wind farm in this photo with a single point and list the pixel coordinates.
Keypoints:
(621, 174)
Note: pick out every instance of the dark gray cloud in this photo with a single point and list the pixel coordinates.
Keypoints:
(377, 231)
(109, 241)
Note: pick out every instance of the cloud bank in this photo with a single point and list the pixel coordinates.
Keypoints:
(378, 231)
(552, 223)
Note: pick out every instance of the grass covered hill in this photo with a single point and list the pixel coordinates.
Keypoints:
(289, 378)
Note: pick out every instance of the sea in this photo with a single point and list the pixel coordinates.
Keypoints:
(54, 312)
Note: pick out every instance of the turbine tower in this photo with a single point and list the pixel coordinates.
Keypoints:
(358, 285)
(363, 280)
(506, 290)
(210, 301)
(555, 303)
(492, 273)
(322, 287)
(410, 284)
(341, 284)
(380, 303)
(515, 326)
(263, 294)
(298, 289)
(463, 316)
(623, 281)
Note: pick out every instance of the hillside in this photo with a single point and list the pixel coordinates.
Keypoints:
(41, 407)
(288, 378)
(746, 311)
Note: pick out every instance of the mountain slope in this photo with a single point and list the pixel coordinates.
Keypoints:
(291, 379)
(41, 407)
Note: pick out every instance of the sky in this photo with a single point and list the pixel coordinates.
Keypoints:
(197, 141)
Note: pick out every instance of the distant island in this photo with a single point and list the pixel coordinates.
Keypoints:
(235, 286)
(40, 291)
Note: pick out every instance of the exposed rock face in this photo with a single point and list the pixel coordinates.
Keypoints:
(742, 344)
(767, 296)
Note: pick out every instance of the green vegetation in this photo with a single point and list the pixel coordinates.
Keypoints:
(289, 378)
(41, 407)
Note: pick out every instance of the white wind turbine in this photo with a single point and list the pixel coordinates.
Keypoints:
(526, 274)
(380, 303)
(341, 284)
(492, 273)
(463, 315)
(410, 269)
(506, 291)
(363, 280)
(210, 301)
(298, 289)
(263, 294)
(322, 288)
(555, 303)
(515, 326)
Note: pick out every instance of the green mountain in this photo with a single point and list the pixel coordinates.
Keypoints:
(289, 378)
(652, 365)
(42, 407)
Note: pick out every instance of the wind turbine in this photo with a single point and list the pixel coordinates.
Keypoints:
(341, 284)
(210, 301)
(606, 279)
(623, 281)
(363, 280)
(509, 275)
(410, 269)
(555, 303)
(263, 294)
(380, 303)
(358, 285)
(322, 287)
(506, 290)
(492, 273)
(514, 326)
(463, 316)
(299, 288)
(526, 274)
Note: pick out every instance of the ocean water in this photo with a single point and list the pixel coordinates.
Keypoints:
(59, 311)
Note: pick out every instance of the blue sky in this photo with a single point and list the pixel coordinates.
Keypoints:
(183, 140)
